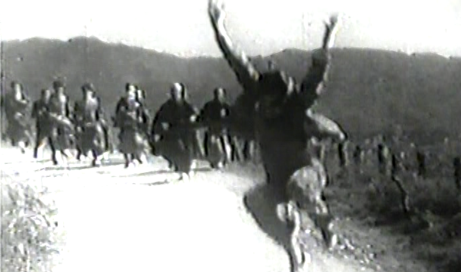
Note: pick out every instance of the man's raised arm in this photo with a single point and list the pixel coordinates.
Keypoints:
(245, 71)
(320, 64)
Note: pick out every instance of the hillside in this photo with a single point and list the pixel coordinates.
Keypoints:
(369, 91)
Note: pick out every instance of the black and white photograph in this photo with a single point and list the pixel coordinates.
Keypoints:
(230, 135)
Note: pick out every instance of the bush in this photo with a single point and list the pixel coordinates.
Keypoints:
(29, 230)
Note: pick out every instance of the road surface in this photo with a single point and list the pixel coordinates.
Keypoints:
(118, 219)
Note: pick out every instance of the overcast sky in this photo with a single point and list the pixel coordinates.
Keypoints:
(182, 27)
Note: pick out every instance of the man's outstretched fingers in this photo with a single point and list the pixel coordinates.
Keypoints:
(330, 32)
(212, 9)
(215, 8)
(334, 20)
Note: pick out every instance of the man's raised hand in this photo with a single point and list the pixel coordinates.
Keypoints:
(331, 27)
(216, 11)
(240, 63)
(333, 21)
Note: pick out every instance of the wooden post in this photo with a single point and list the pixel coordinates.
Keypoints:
(457, 171)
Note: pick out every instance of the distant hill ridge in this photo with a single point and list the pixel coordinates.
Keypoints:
(368, 92)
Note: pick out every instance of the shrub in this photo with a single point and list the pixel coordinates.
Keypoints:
(29, 230)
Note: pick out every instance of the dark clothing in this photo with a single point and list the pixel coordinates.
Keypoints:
(121, 105)
(104, 125)
(242, 117)
(90, 132)
(40, 110)
(282, 127)
(128, 114)
(129, 118)
(43, 125)
(17, 117)
(144, 119)
(177, 139)
(215, 116)
(177, 116)
(59, 105)
(241, 125)
(284, 140)
(86, 111)
(137, 111)
(63, 129)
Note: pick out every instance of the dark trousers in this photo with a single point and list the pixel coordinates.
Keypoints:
(215, 146)
(44, 134)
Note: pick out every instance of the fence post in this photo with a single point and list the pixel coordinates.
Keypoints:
(457, 171)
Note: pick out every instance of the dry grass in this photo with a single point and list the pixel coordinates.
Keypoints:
(370, 207)
(30, 235)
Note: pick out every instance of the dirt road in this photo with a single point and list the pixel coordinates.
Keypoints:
(116, 219)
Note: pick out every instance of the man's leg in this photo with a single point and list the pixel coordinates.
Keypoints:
(166, 149)
(199, 151)
(248, 150)
(80, 138)
(107, 146)
(213, 151)
(189, 145)
(183, 155)
(226, 148)
(52, 141)
(140, 148)
(221, 150)
(39, 142)
(307, 185)
(62, 142)
(209, 149)
(237, 148)
(96, 134)
(79, 145)
(127, 158)
(96, 158)
(253, 151)
(206, 143)
(226, 145)
(22, 146)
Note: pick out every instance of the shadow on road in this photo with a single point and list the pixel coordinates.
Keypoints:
(79, 167)
(164, 171)
(262, 202)
(148, 173)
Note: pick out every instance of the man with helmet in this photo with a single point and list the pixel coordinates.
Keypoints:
(89, 129)
(130, 93)
(173, 128)
(43, 126)
(16, 106)
(104, 124)
(214, 116)
(62, 126)
(128, 117)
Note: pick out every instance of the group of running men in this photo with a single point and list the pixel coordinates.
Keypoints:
(172, 133)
